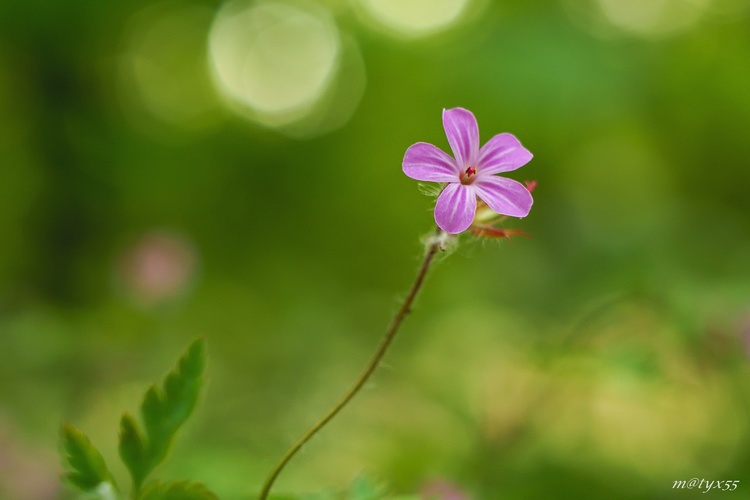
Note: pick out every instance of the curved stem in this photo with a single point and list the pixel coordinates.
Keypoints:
(435, 244)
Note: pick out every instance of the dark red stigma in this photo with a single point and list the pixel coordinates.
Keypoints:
(467, 176)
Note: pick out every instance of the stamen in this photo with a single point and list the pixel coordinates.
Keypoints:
(468, 174)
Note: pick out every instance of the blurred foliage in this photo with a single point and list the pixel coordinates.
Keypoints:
(163, 412)
(87, 464)
(139, 208)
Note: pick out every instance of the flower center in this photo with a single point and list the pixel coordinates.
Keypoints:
(467, 177)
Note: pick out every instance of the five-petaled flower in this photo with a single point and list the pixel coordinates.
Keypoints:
(471, 173)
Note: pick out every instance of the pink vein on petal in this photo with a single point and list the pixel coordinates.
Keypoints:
(455, 208)
(504, 196)
(462, 132)
(502, 153)
(425, 162)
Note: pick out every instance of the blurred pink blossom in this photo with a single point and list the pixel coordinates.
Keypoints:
(25, 474)
(158, 267)
(441, 489)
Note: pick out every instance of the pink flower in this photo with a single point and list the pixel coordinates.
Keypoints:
(471, 173)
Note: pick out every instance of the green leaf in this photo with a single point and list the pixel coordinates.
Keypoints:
(133, 450)
(164, 411)
(89, 469)
(179, 490)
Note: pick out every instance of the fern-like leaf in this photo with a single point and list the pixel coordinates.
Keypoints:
(133, 450)
(88, 468)
(164, 411)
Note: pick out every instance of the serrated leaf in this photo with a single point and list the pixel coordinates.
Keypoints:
(164, 411)
(133, 450)
(178, 490)
(89, 469)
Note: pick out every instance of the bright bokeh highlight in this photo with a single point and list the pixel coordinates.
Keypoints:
(414, 18)
(653, 17)
(647, 19)
(273, 61)
(162, 70)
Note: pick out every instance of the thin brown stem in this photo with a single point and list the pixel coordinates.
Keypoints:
(435, 244)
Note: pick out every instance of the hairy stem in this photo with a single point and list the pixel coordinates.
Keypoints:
(436, 243)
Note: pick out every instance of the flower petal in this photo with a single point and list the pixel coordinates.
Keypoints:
(425, 162)
(463, 135)
(454, 211)
(504, 196)
(502, 153)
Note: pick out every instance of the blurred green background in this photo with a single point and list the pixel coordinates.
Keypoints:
(177, 169)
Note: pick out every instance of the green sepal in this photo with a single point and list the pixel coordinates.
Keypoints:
(178, 490)
(89, 469)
